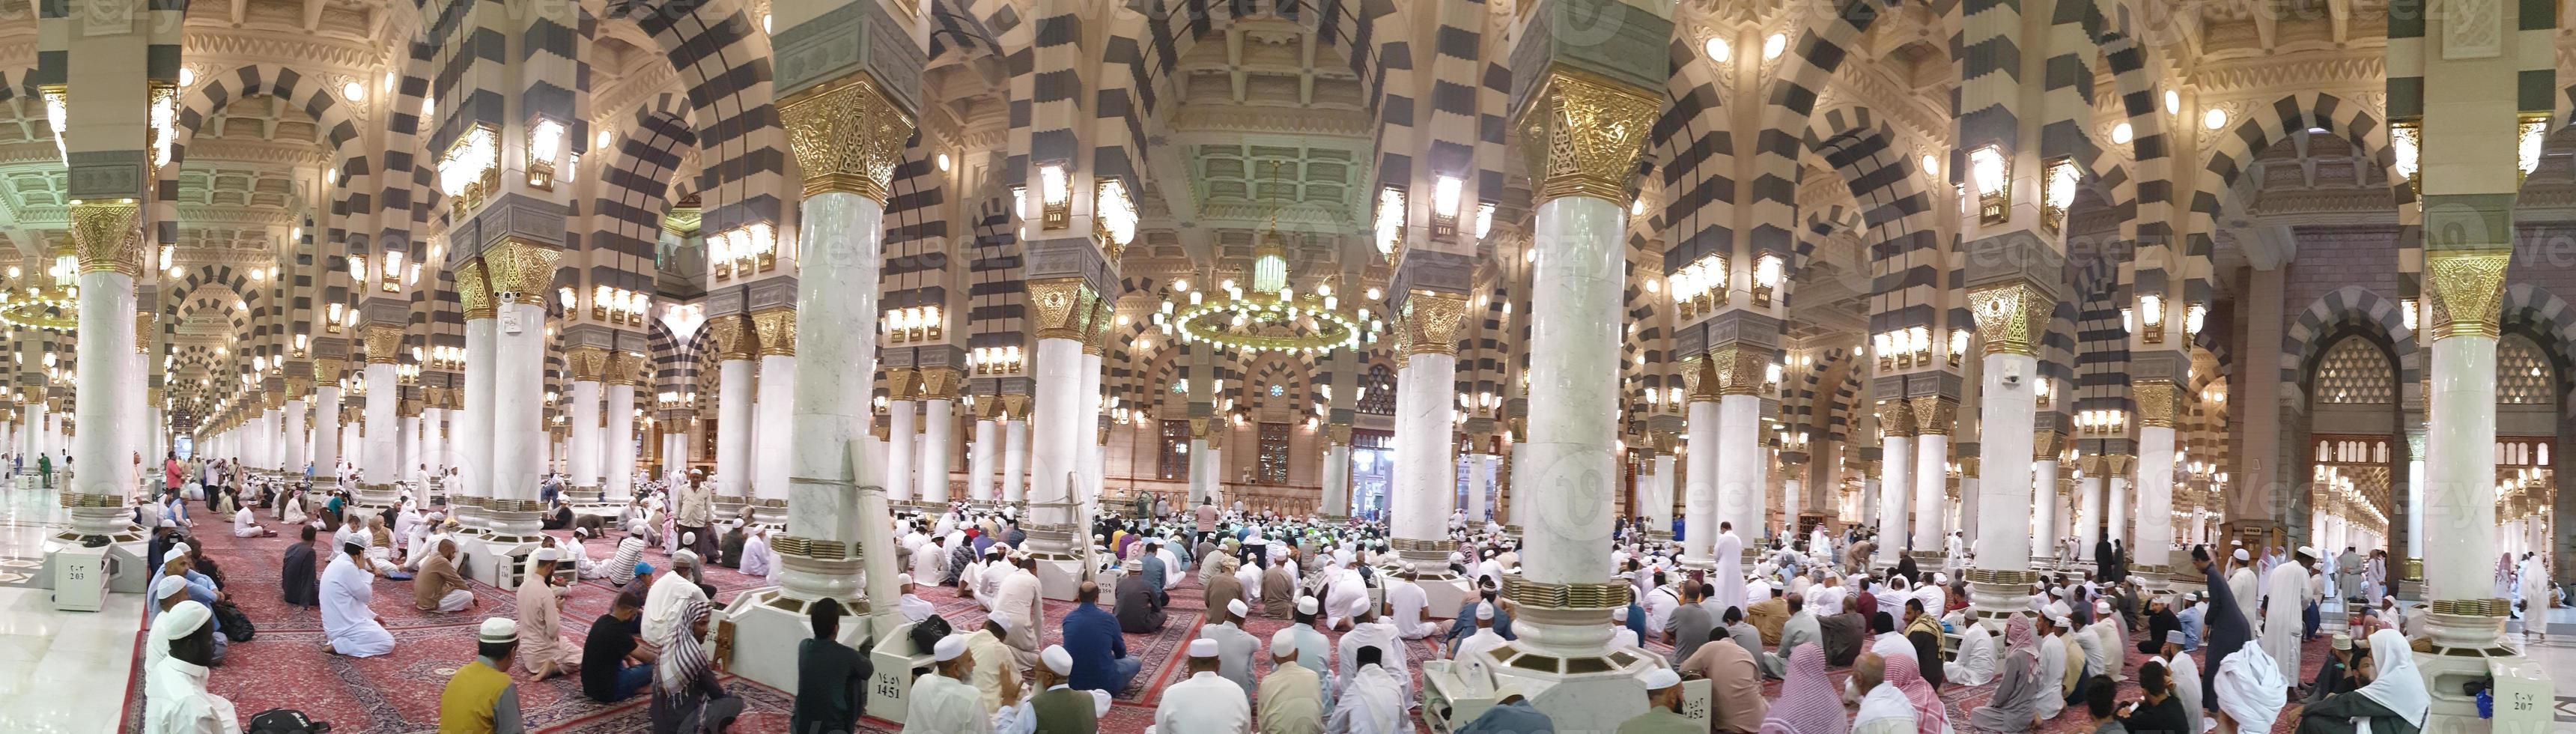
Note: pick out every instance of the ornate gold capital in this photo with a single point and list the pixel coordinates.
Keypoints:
(1934, 415)
(143, 332)
(106, 234)
(298, 387)
(1063, 307)
(1431, 321)
(1095, 334)
(587, 362)
(1896, 418)
(407, 409)
(901, 384)
(1699, 376)
(988, 408)
(2043, 445)
(939, 383)
(777, 329)
(1206, 429)
(384, 343)
(522, 267)
(2155, 402)
(1740, 369)
(2465, 289)
(847, 136)
(1015, 406)
(326, 371)
(2012, 316)
(732, 336)
(1338, 434)
(474, 290)
(1583, 132)
(626, 368)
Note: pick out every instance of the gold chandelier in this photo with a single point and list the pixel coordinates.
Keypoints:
(54, 307)
(1248, 320)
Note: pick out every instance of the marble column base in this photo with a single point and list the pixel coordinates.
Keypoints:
(581, 496)
(129, 546)
(2155, 579)
(1588, 701)
(1994, 595)
(2465, 647)
(769, 619)
(728, 507)
(375, 497)
(769, 513)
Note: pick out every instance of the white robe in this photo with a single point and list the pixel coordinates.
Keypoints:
(1885, 710)
(1368, 706)
(2186, 683)
(755, 557)
(2285, 593)
(2242, 583)
(943, 705)
(346, 621)
(1976, 663)
(1205, 703)
(662, 605)
(1409, 601)
(1729, 575)
(176, 701)
(2052, 675)
(1377, 634)
(1345, 598)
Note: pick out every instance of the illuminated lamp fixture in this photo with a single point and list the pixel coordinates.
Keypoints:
(1699, 287)
(1390, 221)
(2057, 192)
(601, 297)
(391, 273)
(1484, 219)
(1771, 376)
(58, 112)
(2532, 129)
(2151, 314)
(720, 254)
(1116, 224)
(358, 270)
(1767, 274)
(1958, 346)
(470, 170)
(302, 342)
(1774, 45)
(1884, 345)
(1446, 191)
(1919, 339)
(1718, 49)
(164, 112)
(2406, 138)
(331, 317)
(2411, 314)
(545, 148)
(2041, 390)
(1990, 172)
(2196, 315)
(1055, 196)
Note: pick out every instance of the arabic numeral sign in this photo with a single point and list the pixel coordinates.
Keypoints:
(889, 686)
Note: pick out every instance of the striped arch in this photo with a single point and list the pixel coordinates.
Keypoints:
(724, 60)
(675, 364)
(635, 191)
(2146, 200)
(1788, 102)
(1906, 257)
(2536, 311)
(1693, 149)
(2265, 125)
(1146, 44)
(1290, 373)
(2354, 305)
(1832, 379)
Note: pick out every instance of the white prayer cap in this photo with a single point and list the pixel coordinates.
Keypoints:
(2191, 596)
(1656, 679)
(685, 557)
(2101, 607)
(497, 629)
(1939, 578)
(1619, 614)
(2174, 637)
(1203, 648)
(1307, 605)
(182, 621)
(2307, 551)
(998, 621)
(169, 586)
(1057, 659)
(1236, 607)
(948, 648)
(1484, 610)
(902, 580)
(2240, 554)
(176, 550)
(1283, 643)
(548, 554)
(2061, 621)
(2058, 609)
(689, 538)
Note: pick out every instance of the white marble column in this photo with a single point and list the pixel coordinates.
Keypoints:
(902, 436)
(433, 443)
(1896, 478)
(2120, 503)
(273, 436)
(938, 429)
(326, 425)
(1337, 471)
(1015, 449)
(1742, 496)
(1700, 475)
(2151, 553)
(1426, 470)
(1573, 413)
(1203, 461)
(617, 438)
(474, 446)
(776, 433)
(1789, 490)
(519, 433)
(582, 464)
(1659, 511)
(256, 455)
(2043, 508)
(296, 433)
(733, 408)
(379, 454)
(1933, 419)
(979, 455)
(2088, 511)
(411, 473)
(1090, 440)
(2008, 401)
(2460, 539)
(100, 451)
(1480, 483)
(1060, 435)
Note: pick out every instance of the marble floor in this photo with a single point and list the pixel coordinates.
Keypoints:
(60, 672)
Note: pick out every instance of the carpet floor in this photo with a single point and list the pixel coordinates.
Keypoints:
(284, 667)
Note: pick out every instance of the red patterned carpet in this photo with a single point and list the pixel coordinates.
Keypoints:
(283, 667)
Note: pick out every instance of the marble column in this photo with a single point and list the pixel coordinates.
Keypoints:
(1337, 471)
(519, 434)
(1203, 460)
(1743, 489)
(2151, 552)
(979, 455)
(902, 435)
(2013, 317)
(2120, 501)
(2044, 499)
(734, 340)
(433, 442)
(474, 448)
(103, 234)
(617, 439)
(1934, 416)
(1659, 510)
(2460, 509)
(1426, 470)
(1093, 437)
(938, 431)
(2088, 510)
(261, 432)
(1064, 308)
(1896, 478)
(272, 438)
(409, 429)
(1015, 448)
(1480, 482)
(379, 456)
(296, 433)
(777, 429)
(1699, 466)
(582, 465)
(326, 425)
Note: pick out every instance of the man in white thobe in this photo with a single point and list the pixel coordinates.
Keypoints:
(1408, 602)
(2186, 676)
(2285, 595)
(1372, 631)
(348, 625)
(175, 697)
(1975, 665)
(1727, 552)
(1347, 596)
(670, 594)
(944, 702)
(1204, 703)
(2243, 583)
(1371, 702)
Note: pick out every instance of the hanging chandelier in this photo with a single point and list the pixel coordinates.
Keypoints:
(1270, 317)
(54, 307)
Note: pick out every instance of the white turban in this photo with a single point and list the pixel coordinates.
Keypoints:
(1057, 659)
(2250, 689)
(948, 648)
(169, 586)
(184, 620)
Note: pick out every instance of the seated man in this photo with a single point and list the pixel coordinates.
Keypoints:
(246, 525)
(438, 587)
(1139, 608)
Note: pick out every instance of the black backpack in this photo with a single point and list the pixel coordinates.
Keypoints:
(285, 721)
(926, 633)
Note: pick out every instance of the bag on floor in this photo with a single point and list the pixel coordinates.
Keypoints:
(235, 625)
(285, 721)
(926, 633)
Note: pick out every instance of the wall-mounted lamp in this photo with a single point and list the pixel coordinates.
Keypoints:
(58, 112)
(2194, 316)
(545, 148)
(1390, 221)
(1699, 287)
(1958, 346)
(391, 273)
(2058, 192)
(165, 120)
(1116, 224)
(2406, 138)
(1055, 194)
(2533, 130)
(2151, 314)
(2042, 390)
(1484, 219)
(1991, 173)
(1446, 193)
(470, 170)
(1767, 275)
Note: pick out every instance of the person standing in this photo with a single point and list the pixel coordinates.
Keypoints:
(2285, 599)
(831, 678)
(694, 510)
(480, 698)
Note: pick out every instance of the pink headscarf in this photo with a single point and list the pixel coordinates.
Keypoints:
(2020, 637)
(1931, 716)
(1809, 703)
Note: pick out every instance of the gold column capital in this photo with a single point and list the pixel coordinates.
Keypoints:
(733, 337)
(938, 383)
(407, 409)
(384, 343)
(1740, 368)
(2465, 290)
(474, 289)
(2043, 445)
(106, 234)
(1015, 406)
(1095, 334)
(298, 387)
(1699, 376)
(2012, 316)
(847, 136)
(1583, 132)
(899, 384)
(777, 329)
(326, 370)
(587, 362)
(1338, 434)
(1207, 429)
(1431, 321)
(522, 267)
(2156, 402)
(1896, 418)
(1063, 306)
(1934, 415)
(626, 368)
(988, 408)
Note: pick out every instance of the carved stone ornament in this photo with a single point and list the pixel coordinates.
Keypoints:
(777, 328)
(2012, 316)
(1338, 434)
(2155, 402)
(732, 336)
(1063, 307)
(939, 383)
(1583, 132)
(1740, 368)
(1431, 322)
(523, 268)
(2466, 288)
(384, 343)
(1934, 415)
(1699, 377)
(900, 385)
(1896, 418)
(473, 290)
(107, 236)
(1095, 333)
(988, 408)
(1015, 406)
(2043, 446)
(143, 332)
(326, 371)
(299, 387)
(625, 368)
(847, 136)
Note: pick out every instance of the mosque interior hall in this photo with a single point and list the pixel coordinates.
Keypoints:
(1287, 366)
